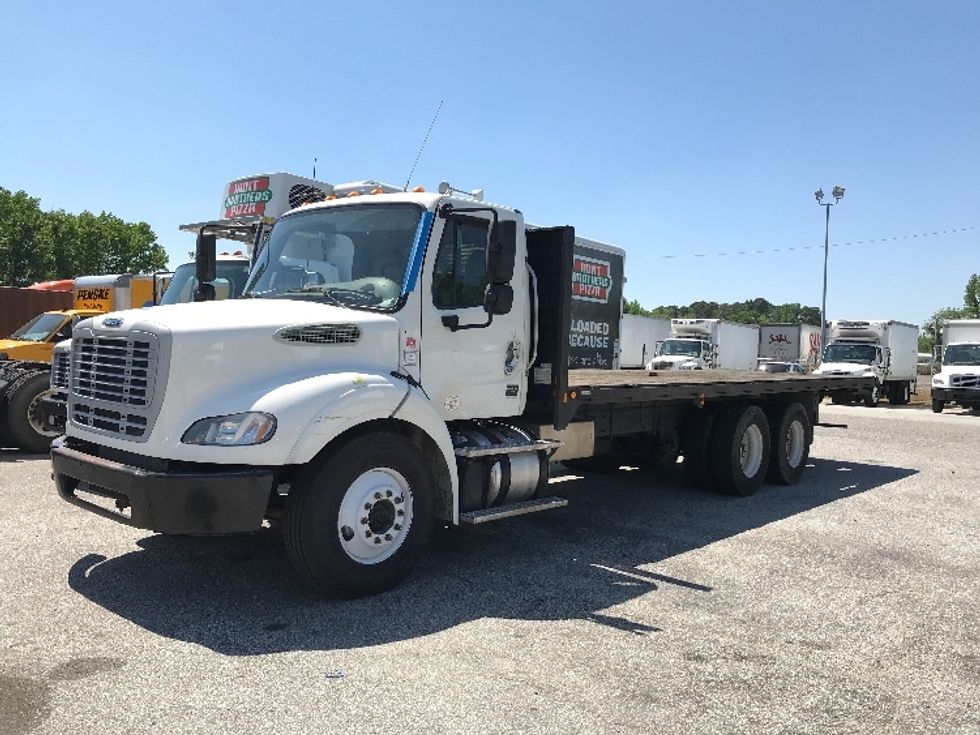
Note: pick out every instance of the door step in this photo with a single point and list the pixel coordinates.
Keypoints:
(514, 509)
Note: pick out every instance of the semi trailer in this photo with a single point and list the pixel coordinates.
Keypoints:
(427, 381)
(886, 350)
(707, 344)
(640, 337)
(958, 381)
(790, 343)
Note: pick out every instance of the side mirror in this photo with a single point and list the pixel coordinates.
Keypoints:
(205, 256)
(498, 298)
(502, 252)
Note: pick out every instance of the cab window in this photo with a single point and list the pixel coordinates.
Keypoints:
(460, 276)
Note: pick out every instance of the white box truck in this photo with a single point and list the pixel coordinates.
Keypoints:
(959, 379)
(884, 349)
(790, 343)
(707, 344)
(639, 338)
(430, 381)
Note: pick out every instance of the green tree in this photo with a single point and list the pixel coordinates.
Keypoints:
(21, 260)
(971, 297)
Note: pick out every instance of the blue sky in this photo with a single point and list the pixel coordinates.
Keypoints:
(667, 128)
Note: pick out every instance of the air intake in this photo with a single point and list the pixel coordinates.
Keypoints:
(320, 334)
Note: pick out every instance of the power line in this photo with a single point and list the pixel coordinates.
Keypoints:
(820, 247)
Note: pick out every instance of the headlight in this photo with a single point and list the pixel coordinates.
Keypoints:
(236, 430)
(938, 380)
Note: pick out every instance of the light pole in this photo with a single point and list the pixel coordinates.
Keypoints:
(837, 193)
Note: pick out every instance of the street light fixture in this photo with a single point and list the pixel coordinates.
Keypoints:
(837, 193)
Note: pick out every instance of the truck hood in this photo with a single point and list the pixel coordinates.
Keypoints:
(843, 368)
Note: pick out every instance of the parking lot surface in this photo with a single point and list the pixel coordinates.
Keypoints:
(846, 604)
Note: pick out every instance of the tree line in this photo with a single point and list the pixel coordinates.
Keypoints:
(42, 246)
(753, 311)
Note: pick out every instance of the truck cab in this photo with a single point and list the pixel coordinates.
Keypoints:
(35, 340)
(682, 353)
(958, 380)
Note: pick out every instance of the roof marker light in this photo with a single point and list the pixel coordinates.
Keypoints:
(354, 194)
(419, 189)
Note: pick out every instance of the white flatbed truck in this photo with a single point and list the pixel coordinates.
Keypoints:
(397, 358)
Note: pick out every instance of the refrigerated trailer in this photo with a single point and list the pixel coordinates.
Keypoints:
(639, 338)
(430, 382)
(959, 379)
(885, 350)
(707, 344)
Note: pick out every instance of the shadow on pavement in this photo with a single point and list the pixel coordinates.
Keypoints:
(12, 454)
(237, 595)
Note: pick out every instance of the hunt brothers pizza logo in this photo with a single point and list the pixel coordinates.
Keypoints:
(247, 197)
(591, 280)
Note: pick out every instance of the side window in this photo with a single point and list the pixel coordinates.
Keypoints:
(460, 276)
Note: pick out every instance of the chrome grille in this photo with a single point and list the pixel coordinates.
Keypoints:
(59, 368)
(965, 381)
(112, 384)
(321, 334)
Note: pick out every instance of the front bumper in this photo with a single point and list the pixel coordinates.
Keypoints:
(207, 499)
(956, 395)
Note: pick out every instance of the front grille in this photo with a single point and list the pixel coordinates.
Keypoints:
(59, 368)
(965, 381)
(112, 384)
(321, 334)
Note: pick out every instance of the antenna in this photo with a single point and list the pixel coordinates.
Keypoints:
(314, 167)
(424, 141)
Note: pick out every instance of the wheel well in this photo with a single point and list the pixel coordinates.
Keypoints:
(429, 450)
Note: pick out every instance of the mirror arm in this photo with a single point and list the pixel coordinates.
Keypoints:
(452, 322)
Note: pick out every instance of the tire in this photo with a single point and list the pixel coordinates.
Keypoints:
(739, 449)
(871, 401)
(937, 405)
(904, 395)
(695, 448)
(343, 510)
(791, 435)
(23, 418)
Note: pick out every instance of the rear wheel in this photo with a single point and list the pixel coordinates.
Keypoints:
(739, 450)
(938, 405)
(358, 519)
(791, 437)
(25, 418)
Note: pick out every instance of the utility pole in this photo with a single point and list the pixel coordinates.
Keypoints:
(837, 193)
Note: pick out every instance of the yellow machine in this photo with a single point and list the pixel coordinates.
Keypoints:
(92, 295)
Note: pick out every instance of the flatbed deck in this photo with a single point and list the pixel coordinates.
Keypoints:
(641, 385)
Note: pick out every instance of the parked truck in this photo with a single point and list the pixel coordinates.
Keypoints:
(883, 349)
(429, 381)
(959, 379)
(25, 358)
(707, 344)
(640, 338)
(798, 343)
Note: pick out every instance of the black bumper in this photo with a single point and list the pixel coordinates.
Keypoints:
(956, 395)
(54, 411)
(205, 501)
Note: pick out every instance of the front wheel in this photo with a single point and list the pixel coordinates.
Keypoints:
(358, 519)
(938, 405)
(871, 400)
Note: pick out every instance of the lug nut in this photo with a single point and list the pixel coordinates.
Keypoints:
(367, 506)
(377, 496)
(368, 534)
(401, 512)
(364, 521)
(377, 540)
(398, 527)
(387, 537)
(388, 493)
(399, 500)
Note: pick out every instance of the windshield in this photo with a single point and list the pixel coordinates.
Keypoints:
(230, 277)
(862, 354)
(962, 355)
(691, 347)
(39, 328)
(353, 256)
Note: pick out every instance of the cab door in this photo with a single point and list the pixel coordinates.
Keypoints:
(473, 363)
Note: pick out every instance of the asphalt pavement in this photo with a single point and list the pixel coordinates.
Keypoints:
(849, 603)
